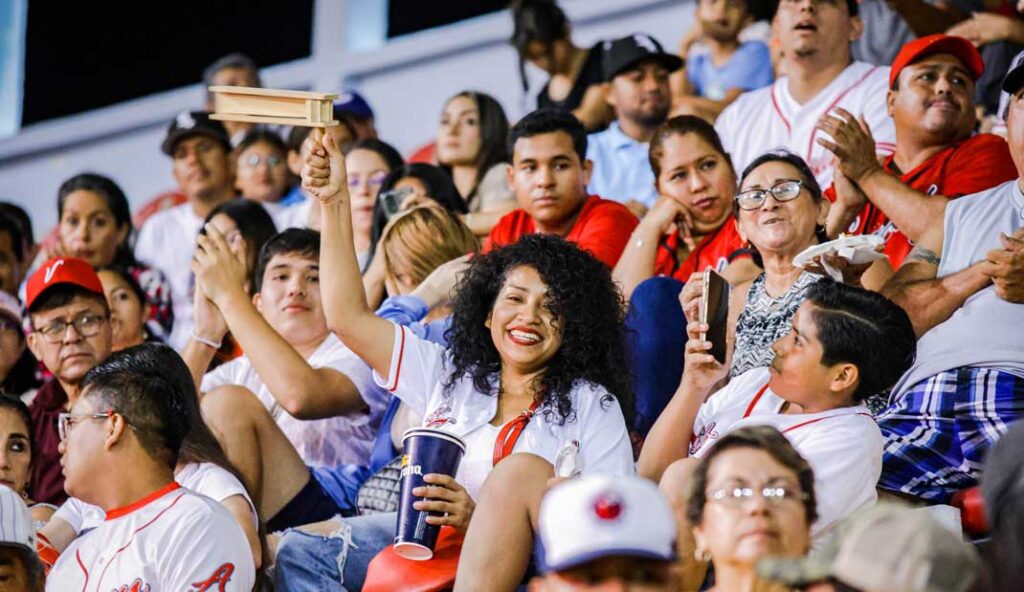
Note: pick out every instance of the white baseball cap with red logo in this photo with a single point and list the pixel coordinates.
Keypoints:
(16, 525)
(591, 517)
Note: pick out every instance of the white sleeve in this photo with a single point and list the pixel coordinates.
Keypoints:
(344, 360)
(217, 484)
(417, 366)
(208, 551)
(604, 440)
(73, 512)
(847, 462)
(725, 125)
(876, 113)
(220, 376)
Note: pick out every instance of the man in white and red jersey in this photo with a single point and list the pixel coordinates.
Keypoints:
(120, 443)
(938, 156)
(819, 75)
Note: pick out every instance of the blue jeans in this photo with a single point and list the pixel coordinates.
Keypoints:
(308, 562)
(656, 341)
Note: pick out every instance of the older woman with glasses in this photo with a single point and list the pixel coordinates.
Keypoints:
(780, 211)
(752, 497)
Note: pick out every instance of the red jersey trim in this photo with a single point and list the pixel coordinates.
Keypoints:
(778, 111)
(159, 493)
(842, 95)
(78, 558)
(810, 421)
(401, 355)
(131, 539)
(753, 402)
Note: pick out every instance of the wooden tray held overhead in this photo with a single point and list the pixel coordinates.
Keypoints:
(266, 105)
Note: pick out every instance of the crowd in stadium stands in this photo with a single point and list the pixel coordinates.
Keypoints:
(212, 393)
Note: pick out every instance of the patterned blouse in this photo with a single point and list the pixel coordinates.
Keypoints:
(764, 320)
(158, 296)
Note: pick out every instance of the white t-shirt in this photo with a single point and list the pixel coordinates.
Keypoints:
(295, 215)
(167, 241)
(770, 118)
(843, 446)
(416, 374)
(204, 478)
(344, 439)
(172, 540)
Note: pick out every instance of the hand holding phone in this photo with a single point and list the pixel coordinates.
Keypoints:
(714, 312)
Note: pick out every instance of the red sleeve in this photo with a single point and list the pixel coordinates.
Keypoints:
(981, 163)
(605, 231)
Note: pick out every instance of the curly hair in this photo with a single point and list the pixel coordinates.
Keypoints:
(585, 303)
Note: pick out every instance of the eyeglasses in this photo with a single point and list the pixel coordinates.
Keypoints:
(255, 160)
(86, 325)
(773, 494)
(374, 180)
(66, 421)
(782, 191)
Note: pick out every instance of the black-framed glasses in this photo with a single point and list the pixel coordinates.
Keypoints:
(752, 199)
(774, 494)
(86, 325)
(66, 421)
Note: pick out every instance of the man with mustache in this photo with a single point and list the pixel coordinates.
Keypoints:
(817, 73)
(636, 71)
(937, 156)
(202, 165)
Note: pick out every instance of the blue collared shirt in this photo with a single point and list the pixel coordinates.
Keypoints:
(621, 169)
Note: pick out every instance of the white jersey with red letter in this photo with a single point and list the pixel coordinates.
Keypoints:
(171, 540)
(770, 118)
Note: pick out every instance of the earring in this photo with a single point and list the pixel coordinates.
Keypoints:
(701, 555)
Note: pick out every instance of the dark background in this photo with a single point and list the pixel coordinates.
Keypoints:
(82, 56)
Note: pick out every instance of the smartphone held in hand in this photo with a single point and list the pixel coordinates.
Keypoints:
(714, 312)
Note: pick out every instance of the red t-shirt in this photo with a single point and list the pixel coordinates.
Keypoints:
(716, 251)
(603, 228)
(975, 164)
(47, 481)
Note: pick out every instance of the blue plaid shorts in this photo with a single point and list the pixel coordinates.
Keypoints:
(936, 434)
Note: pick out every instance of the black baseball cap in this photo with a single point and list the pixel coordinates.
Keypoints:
(194, 123)
(622, 54)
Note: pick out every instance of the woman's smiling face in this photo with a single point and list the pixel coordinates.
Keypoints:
(524, 328)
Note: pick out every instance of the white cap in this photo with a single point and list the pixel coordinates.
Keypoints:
(16, 525)
(587, 518)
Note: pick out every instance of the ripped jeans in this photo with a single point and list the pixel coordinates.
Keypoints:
(338, 563)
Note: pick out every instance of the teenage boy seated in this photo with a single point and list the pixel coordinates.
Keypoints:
(845, 344)
(549, 176)
(70, 334)
(119, 446)
(294, 367)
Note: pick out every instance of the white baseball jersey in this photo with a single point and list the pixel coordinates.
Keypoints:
(770, 118)
(172, 540)
(203, 478)
(843, 446)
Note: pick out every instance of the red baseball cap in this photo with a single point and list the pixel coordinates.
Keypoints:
(61, 270)
(958, 47)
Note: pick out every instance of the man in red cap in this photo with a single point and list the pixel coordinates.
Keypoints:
(70, 334)
(937, 157)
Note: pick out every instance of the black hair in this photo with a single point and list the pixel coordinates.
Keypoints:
(391, 157)
(151, 386)
(62, 295)
(438, 184)
(547, 121)
(116, 201)
(536, 20)
(232, 61)
(493, 135)
(262, 135)
(682, 125)
(865, 329)
(806, 176)
(21, 217)
(299, 241)
(588, 309)
(16, 405)
(253, 222)
(851, 6)
(10, 227)
(764, 438)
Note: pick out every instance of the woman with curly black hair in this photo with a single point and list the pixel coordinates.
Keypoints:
(536, 326)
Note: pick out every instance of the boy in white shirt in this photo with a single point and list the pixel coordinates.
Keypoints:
(119, 445)
(845, 345)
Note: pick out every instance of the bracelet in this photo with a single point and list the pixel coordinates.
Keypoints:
(206, 342)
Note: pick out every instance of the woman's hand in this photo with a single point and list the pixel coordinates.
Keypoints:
(220, 272)
(445, 494)
(668, 216)
(323, 174)
(691, 295)
(701, 371)
(436, 288)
